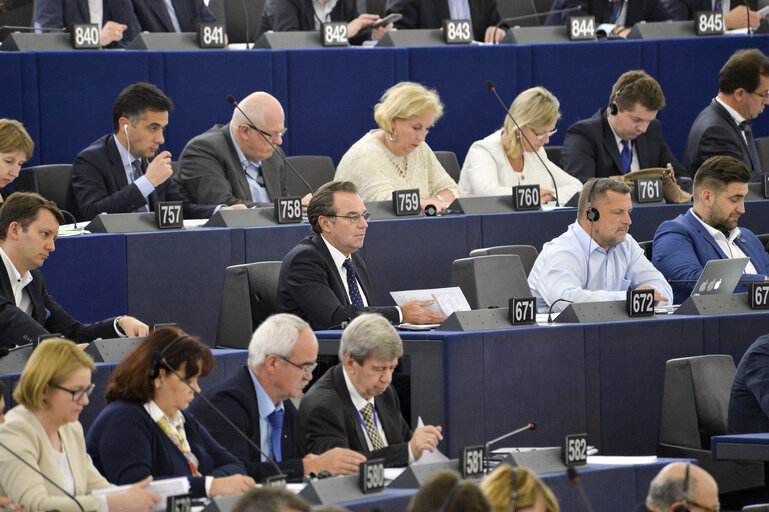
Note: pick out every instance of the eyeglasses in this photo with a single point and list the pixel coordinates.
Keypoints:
(77, 394)
(271, 136)
(354, 218)
(543, 136)
(694, 504)
(306, 368)
(764, 96)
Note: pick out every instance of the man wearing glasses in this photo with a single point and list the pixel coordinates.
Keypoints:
(234, 163)
(723, 127)
(623, 137)
(324, 279)
(281, 357)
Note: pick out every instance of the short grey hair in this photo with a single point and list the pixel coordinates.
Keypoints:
(602, 185)
(277, 335)
(370, 335)
(663, 493)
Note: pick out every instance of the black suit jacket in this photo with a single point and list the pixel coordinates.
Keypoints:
(328, 419)
(98, 184)
(210, 171)
(590, 149)
(291, 15)
(682, 10)
(431, 13)
(63, 13)
(236, 398)
(153, 15)
(309, 286)
(637, 10)
(715, 132)
(18, 328)
(4, 193)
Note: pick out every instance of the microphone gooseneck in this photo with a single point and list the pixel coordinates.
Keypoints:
(529, 426)
(159, 359)
(231, 101)
(527, 16)
(493, 90)
(574, 477)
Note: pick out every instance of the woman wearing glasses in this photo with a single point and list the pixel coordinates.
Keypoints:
(396, 156)
(506, 158)
(44, 431)
(145, 428)
(16, 147)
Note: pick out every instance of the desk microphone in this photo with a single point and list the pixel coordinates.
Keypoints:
(21, 27)
(231, 101)
(574, 477)
(490, 87)
(68, 214)
(506, 21)
(159, 359)
(529, 426)
(33, 468)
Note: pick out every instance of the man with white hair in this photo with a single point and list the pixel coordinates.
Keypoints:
(354, 406)
(235, 163)
(681, 484)
(281, 357)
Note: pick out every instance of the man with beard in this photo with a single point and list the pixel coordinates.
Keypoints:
(595, 259)
(709, 229)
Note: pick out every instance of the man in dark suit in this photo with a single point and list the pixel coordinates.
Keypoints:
(290, 15)
(736, 17)
(234, 163)
(118, 22)
(324, 279)
(749, 399)
(185, 15)
(431, 13)
(723, 127)
(114, 175)
(621, 14)
(354, 406)
(708, 231)
(624, 137)
(29, 225)
(281, 357)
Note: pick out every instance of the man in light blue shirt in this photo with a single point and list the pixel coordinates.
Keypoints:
(596, 259)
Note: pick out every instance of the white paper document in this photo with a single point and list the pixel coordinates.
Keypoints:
(429, 457)
(445, 300)
(165, 487)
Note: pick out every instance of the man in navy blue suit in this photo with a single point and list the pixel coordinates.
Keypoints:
(621, 14)
(116, 18)
(736, 14)
(172, 15)
(708, 231)
(281, 357)
(115, 174)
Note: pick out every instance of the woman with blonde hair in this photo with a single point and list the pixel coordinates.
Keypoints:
(396, 156)
(44, 432)
(517, 489)
(16, 147)
(507, 158)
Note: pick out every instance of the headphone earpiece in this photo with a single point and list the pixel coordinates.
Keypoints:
(613, 109)
(125, 129)
(684, 495)
(514, 494)
(157, 357)
(591, 213)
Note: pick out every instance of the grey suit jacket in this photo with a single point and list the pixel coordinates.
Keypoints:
(210, 171)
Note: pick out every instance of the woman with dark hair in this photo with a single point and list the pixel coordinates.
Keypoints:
(145, 428)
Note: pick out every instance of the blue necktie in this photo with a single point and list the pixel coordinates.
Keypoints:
(352, 284)
(627, 157)
(276, 421)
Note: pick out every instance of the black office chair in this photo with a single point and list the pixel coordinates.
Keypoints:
(19, 15)
(490, 281)
(448, 160)
(50, 181)
(762, 145)
(695, 403)
(554, 154)
(647, 247)
(375, 7)
(527, 253)
(248, 298)
(512, 8)
(242, 18)
(317, 170)
(764, 239)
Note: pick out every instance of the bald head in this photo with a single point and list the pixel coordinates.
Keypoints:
(667, 489)
(267, 115)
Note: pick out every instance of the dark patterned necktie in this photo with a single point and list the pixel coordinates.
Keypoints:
(367, 413)
(352, 284)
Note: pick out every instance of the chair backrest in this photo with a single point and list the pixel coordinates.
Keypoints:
(647, 247)
(527, 253)
(512, 8)
(448, 160)
(20, 16)
(248, 298)
(317, 170)
(241, 15)
(762, 145)
(50, 181)
(554, 154)
(695, 400)
(375, 7)
(490, 281)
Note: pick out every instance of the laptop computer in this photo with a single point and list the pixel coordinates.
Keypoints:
(720, 276)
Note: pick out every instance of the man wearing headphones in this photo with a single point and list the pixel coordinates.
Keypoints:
(681, 487)
(625, 136)
(596, 259)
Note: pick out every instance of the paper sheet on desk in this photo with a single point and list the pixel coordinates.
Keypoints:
(429, 457)
(445, 300)
(165, 487)
(621, 460)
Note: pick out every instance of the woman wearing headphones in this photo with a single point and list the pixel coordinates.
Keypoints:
(517, 489)
(145, 429)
